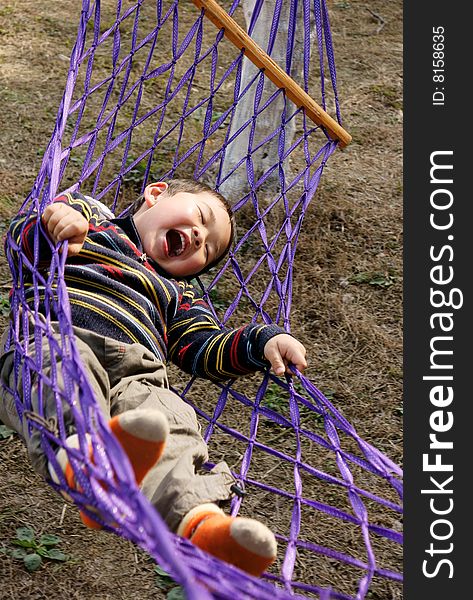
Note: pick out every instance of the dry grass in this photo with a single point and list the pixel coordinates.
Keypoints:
(347, 282)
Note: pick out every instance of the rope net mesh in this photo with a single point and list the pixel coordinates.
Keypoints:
(154, 91)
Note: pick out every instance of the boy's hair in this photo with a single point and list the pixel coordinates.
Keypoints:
(190, 186)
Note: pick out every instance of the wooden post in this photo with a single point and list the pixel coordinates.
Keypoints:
(273, 71)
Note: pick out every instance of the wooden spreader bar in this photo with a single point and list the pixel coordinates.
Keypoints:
(273, 71)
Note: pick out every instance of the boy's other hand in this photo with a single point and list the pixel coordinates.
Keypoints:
(62, 223)
(282, 350)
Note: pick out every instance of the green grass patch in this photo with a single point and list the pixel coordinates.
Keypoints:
(373, 278)
(277, 400)
(33, 550)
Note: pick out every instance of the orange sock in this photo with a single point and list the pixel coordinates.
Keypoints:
(142, 435)
(71, 482)
(245, 543)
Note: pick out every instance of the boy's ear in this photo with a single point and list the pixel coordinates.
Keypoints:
(153, 191)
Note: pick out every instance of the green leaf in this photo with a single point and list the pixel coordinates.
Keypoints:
(360, 278)
(25, 543)
(25, 534)
(161, 585)
(5, 432)
(177, 593)
(382, 281)
(4, 306)
(19, 553)
(376, 279)
(48, 539)
(32, 562)
(162, 573)
(55, 554)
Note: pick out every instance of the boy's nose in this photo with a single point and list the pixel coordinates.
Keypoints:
(198, 237)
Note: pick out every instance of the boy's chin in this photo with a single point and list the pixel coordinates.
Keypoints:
(177, 271)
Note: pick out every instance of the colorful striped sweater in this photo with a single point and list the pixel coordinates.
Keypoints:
(118, 292)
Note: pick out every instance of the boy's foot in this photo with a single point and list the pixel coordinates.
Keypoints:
(245, 543)
(142, 435)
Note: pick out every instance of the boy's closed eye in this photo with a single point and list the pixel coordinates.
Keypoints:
(206, 247)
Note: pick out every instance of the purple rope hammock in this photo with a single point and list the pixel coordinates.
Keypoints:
(170, 105)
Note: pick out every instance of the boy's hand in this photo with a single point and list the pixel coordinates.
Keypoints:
(283, 349)
(62, 223)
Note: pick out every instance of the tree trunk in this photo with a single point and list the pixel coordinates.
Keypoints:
(269, 120)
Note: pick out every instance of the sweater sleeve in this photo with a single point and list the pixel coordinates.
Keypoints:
(200, 346)
(28, 234)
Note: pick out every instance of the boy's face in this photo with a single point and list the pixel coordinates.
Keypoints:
(184, 232)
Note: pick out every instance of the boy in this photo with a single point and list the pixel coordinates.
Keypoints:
(132, 309)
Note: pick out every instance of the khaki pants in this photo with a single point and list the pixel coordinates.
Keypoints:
(125, 377)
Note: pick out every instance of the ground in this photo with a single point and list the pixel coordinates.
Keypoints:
(348, 272)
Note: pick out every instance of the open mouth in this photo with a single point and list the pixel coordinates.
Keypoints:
(176, 242)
